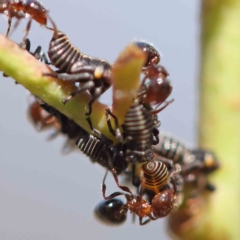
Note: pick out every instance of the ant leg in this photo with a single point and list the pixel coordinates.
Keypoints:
(113, 195)
(156, 111)
(27, 29)
(9, 26)
(145, 222)
(117, 133)
(114, 173)
(55, 30)
(124, 188)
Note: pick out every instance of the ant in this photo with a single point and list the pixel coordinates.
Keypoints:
(21, 9)
(159, 88)
(161, 204)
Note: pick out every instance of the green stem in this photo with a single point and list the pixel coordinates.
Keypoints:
(219, 118)
(27, 71)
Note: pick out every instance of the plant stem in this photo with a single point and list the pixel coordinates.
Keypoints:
(27, 71)
(219, 118)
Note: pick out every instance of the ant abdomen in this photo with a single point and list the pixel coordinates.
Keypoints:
(163, 203)
(109, 212)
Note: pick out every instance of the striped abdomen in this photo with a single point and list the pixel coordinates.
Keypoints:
(101, 151)
(62, 53)
(154, 176)
(171, 149)
(138, 130)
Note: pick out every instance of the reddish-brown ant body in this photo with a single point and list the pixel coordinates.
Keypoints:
(159, 88)
(155, 177)
(25, 9)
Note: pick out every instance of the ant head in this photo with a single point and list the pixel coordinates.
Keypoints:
(153, 56)
(163, 203)
(109, 212)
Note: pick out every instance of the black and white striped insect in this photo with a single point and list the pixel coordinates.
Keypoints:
(137, 132)
(196, 164)
(101, 150)
(140, 128)
(171, 149)
(94, 74)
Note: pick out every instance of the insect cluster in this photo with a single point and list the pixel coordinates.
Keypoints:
(163, 171)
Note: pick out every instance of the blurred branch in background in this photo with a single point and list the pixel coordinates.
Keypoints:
(219, 121)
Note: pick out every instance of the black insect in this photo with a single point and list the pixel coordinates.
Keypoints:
(94, 74)
(31, 9)
(109, 212)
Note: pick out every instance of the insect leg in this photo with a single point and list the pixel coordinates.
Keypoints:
(113, 195)
(117, 133)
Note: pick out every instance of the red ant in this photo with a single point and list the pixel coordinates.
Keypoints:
(20, 9)
(159, 88)
(161, 204)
